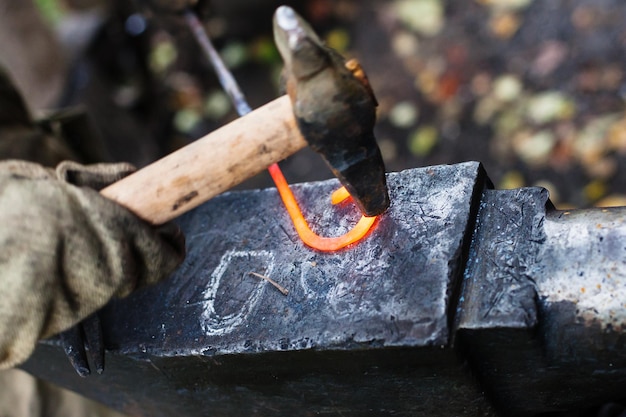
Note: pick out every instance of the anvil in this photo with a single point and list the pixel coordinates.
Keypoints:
(463, 300)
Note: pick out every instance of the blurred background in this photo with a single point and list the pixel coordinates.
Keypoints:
(535, 90)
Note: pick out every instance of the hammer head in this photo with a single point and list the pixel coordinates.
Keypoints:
(335, 109)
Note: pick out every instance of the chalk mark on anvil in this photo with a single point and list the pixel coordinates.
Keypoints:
(231, 294)
(223, 312)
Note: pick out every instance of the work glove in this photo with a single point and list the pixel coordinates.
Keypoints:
(65, 250)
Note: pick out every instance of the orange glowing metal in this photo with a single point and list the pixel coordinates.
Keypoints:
(310, 238)
(339, 195)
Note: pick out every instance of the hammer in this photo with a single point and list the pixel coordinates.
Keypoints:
(330, 106)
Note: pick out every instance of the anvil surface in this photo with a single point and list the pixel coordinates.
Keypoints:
(363, 331)
(542, 317)
(461, 299)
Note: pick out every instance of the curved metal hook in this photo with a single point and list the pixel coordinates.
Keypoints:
(309, 237)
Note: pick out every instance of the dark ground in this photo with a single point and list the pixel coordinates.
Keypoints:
(534, 90)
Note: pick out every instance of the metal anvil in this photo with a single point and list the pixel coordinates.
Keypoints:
(463, 300)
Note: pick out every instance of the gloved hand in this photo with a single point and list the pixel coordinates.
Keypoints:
(65, 250)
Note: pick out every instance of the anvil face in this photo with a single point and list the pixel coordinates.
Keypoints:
(385, 327)
(362, 331)
(391, 289)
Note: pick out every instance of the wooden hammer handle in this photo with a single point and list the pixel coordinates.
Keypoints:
(220, 160)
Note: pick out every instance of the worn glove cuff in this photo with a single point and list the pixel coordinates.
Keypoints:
(66, 250)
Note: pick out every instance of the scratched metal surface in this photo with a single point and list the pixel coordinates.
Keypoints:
(539, 320)
(544, 305)
(389, 290)
(364, 331)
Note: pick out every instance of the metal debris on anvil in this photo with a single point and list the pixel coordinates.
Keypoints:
(456, 282)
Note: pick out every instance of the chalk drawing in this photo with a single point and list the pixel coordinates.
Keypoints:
(215, 324)
(313, 279)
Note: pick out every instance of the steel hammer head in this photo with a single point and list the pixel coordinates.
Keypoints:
(335, 109)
